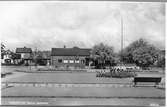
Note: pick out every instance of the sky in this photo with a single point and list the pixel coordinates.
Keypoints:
(50, 24)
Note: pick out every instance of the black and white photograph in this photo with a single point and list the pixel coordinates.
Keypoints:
(77, 53)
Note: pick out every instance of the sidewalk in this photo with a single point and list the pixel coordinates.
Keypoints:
(112, 102)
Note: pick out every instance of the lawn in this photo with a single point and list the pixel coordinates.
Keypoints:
(64, 78)
(86, 92)
(13, 68)
(80, 95)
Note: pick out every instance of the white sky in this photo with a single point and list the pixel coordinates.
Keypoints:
(54, 24)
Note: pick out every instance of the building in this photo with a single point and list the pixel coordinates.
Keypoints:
(25, 54)
(10, 58)
(70, 57)
(6, 58)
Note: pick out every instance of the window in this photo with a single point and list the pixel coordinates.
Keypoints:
(82, 61)
(65, 61)
(60, 60)
(76, 61)
(71, 61)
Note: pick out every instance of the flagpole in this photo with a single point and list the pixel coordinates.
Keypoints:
(121, 39)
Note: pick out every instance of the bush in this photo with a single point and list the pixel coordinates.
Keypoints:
(103, 74)
(123, 74)
(117, 73)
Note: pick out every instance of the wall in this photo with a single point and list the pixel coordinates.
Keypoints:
(81, 63)
(25, 55)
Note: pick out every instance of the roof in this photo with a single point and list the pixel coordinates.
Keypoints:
(23, 50)
(75, 51)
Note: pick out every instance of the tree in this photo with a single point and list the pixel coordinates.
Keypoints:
(140, 52)
(103, 55)
(2, 47)
(127, 52)
(38, 58)
(161, 60)
(2, 50)
(142, 57)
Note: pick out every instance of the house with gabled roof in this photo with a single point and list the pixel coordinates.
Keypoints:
(70, 57)
(26, 54)
(6, 57)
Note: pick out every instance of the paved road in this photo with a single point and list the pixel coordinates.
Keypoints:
(83, 101)
(142, 96)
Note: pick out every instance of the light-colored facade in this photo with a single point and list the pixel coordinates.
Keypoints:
(25, 55)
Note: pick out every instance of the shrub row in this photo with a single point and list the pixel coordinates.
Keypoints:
(116, 74)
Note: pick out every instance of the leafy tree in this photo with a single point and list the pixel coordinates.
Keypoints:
(127, 52)
(140, 52)
(142, 57)
(103, 55)
(5, 51)
(38, 58)
(161, 60)
(2, 50)
(2, 47)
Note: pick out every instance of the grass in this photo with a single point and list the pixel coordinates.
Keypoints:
(85, 92)
(84, 95)
(65, 78)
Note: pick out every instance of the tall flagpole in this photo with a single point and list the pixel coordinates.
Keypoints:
(121, 39)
